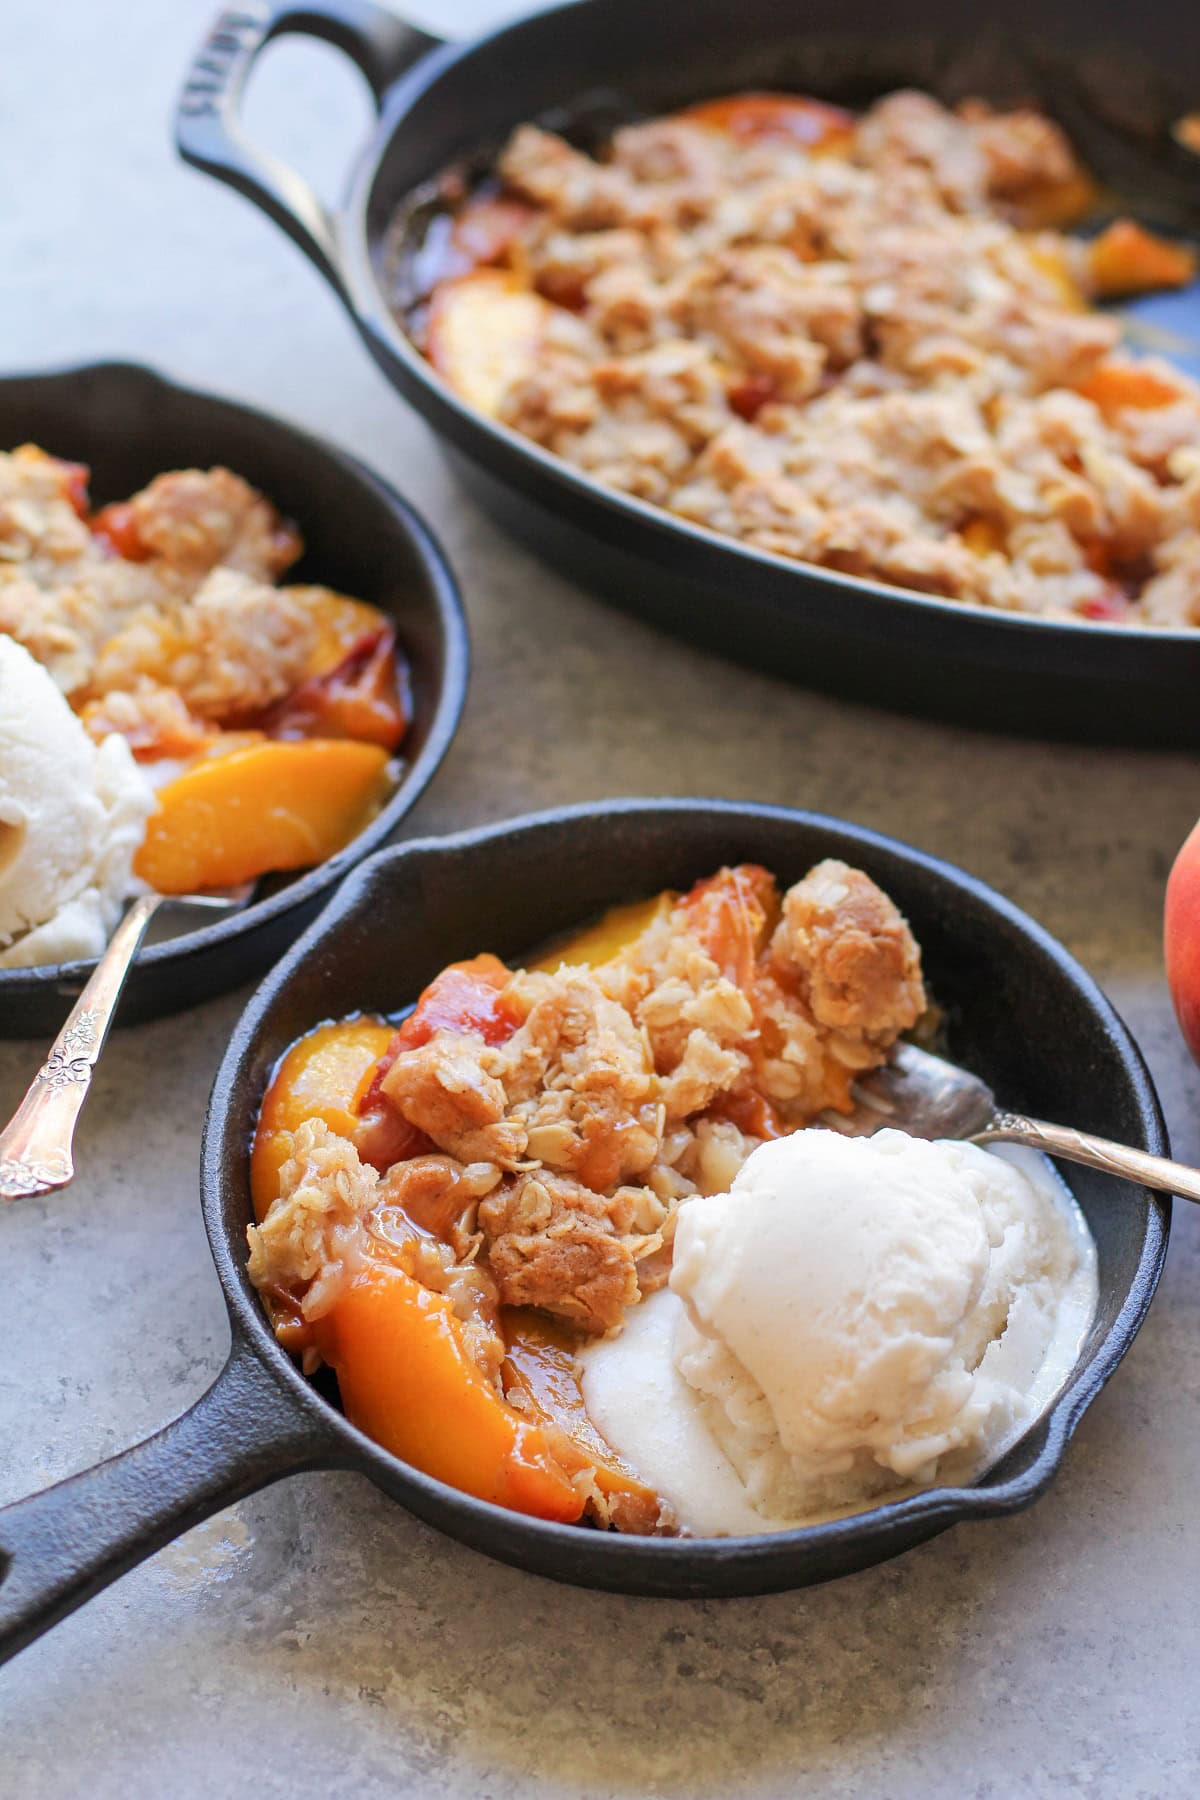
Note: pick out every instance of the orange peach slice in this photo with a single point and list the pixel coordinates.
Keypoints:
(489, 228)
(732, 913)
(485, 330)
(982, 536)
(614, 932)
(541, 1368)
(234, 816)
(1054, 204)
(1114, 386)
(791, 118)
(408, 1381)
(1058, 259)
(1127, 259)
(321, 1077)
(341, 624)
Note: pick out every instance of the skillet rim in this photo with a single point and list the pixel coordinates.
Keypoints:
(611, 1559)
(444, 601)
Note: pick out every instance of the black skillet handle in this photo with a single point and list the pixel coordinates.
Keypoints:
(61, 1546)
(207, 124)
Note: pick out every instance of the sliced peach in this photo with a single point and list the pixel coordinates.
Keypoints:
(116, 526)
(341, 624)
(1114, 386)
(790, 117)
(489, 228)
(982, 536)
(752, 1113)
(232, 817)
(614, 932)
(732, 913)
(466, 996)
(1127, 259)
(359, 697)
(485, 330)
(1057, 203)
(408, 1381)
(1053, 258)
(321, 1077)
(541, 1368)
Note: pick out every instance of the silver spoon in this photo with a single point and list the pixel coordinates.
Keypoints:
(931, 1098)
(36, 1144)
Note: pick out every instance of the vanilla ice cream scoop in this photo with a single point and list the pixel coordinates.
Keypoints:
(855, 1316)
(72, 814)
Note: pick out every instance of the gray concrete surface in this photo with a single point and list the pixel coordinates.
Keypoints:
(315, 1641)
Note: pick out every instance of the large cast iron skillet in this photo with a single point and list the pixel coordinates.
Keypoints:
(130, 424)
(1022, 1013)
(1116, 76)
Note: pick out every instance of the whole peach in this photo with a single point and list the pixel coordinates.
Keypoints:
(1181, 939)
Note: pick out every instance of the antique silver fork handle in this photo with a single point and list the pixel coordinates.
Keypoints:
(1097, 1152)
(36, 1145)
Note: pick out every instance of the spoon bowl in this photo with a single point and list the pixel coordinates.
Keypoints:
(928, 1097)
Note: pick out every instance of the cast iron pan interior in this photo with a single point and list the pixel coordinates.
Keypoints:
(1116, 79)
(1021, 1012)
(130, 424)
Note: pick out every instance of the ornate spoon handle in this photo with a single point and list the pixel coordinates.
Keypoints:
(35, 1147)
(1099, 1153)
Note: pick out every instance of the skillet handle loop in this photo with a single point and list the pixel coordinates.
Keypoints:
(61, 1546)
(207, 119)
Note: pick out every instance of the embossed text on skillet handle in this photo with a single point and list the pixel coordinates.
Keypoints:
(35, 1147)
(1098, 1153)
(208, 126)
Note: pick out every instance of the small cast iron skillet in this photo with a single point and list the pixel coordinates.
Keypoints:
(130, 424)
(1116, 77)
(1022, 1013)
